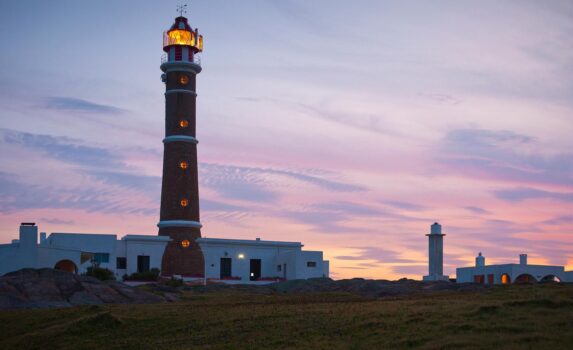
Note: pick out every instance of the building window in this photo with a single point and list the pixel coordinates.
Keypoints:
(279, 268)
(505, 279)
(479, 279)
(101, 258)
(185, 243)
(311, 264)
(184, 202)
(183, 123)
(183, 165)
(121, 263)
(183, 79)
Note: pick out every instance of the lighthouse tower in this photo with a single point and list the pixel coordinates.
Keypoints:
(436, 254)
(179, 217)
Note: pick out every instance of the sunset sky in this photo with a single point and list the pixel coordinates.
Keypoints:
(350, 126)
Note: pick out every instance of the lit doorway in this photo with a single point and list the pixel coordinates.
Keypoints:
(255, 272)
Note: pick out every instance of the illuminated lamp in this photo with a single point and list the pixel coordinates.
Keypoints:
(183, 123)
(184, 202)
(185, 243)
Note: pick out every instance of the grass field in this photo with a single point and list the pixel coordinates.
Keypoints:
(509, 317)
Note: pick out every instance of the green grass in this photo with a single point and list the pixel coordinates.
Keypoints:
(511, 317)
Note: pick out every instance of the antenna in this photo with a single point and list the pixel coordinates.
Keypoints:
(182, 9)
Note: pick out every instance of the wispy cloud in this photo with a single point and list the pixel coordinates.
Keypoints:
(259, 184)
(523, 193)
(477, 210)
(56, 221)
(66, 149)
(76, 105)
(504, 155)
(406, 205)
(377, 254)
(560, 220)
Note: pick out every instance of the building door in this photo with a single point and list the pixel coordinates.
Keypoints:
(255, 269)
(225, 268)
(142, 263)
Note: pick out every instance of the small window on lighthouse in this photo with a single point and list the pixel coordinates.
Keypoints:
(183, 165)
(183, 123)
(184, 202)
(183, 79)
(185, 243)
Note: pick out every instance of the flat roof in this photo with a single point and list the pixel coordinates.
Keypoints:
(508, 265)
(253, 242)
(146, 238)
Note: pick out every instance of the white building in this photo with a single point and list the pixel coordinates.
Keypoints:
(511, 273)
(75, 252)
(226, 260)
(258, 261)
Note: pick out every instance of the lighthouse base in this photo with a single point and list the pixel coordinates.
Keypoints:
(436, 278)
(182, 255)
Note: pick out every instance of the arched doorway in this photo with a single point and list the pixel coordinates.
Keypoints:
(525, 278)
(505, 279)
(550, 278)
(66, 265)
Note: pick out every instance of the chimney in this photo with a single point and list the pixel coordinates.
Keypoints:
(42, 237)
(523, 259)
(28, 234)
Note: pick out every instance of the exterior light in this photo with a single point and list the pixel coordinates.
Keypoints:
(183, 79)
(184, 202)
(180, 37)
(183, 123)
(185, 243)
(183, 165)
(241, 256)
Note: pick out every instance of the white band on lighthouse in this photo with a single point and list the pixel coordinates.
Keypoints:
(174, 91)
(179, 223)
(182, 138)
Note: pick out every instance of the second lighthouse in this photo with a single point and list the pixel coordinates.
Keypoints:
(179, 217)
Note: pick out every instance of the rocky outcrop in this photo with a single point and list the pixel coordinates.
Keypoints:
(44, 288)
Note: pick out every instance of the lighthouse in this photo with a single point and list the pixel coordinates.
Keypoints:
(436, 254)
(179, 215)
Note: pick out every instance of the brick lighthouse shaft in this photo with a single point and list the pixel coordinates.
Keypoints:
(179, 216)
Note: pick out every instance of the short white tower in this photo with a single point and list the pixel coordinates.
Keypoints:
(436, 254)
(480, 260)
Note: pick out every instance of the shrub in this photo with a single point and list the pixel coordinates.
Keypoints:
(100, 273)
(151, 275)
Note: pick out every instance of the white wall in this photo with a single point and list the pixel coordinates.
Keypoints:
(241, 267)
(27, 253)
(152, 246)
(466, 274)
(271, 254)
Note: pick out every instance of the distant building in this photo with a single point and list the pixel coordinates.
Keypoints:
(247, 261)
(511, 273)
(75, 252)
(436, 254)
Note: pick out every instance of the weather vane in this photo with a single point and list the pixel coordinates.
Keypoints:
(182, 9)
